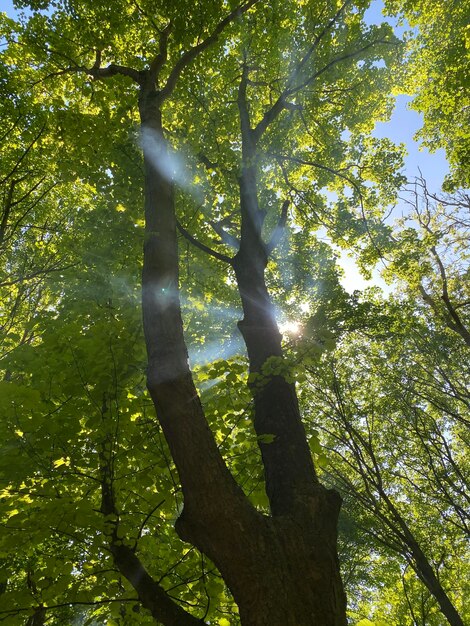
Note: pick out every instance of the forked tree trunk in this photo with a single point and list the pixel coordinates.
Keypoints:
(282, 570)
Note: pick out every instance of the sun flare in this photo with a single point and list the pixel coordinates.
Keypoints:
(290, 327)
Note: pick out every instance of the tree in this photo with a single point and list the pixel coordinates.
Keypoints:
(395, 428)
(391, 400)
(436, 75)
(29, 227)
(237, 115)
(437, 235)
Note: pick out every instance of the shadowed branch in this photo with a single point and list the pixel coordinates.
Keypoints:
(201, 246)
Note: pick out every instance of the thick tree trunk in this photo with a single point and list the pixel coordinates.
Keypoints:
(305, 514)
(299, 583)
(282, 571)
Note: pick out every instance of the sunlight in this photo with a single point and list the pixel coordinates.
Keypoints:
(352, 279)
(290, 327)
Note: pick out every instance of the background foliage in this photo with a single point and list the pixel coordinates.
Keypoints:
(383, 380)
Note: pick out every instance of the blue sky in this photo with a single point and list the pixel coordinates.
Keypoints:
(405, 122)
(401, 128)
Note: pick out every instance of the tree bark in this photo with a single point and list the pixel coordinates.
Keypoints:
(289, 471)
(38, 618)
(211, 495)
(284, 570)
(304, 513)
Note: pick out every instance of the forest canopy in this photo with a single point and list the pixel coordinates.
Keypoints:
(199, 424)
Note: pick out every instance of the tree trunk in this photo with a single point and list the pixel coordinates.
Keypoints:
(426, 573)
(304, 568)
(38, 618)
(282, 570)
(422, 566)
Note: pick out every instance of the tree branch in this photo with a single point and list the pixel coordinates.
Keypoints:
(31, 190)
(23, 156)
(208, 164)
(148, 516)
(280, 103)
(340, 174)
(12, 128)
(458, 325)
(162, 56)
(226, 237)
(334, 61)
(299, 161)
(6, 211)
(97, 72)
(201, 246)
(279, 230)
(243, 109)
(152, 595)
(60, 605)
(47, 270)
(100, 73)
(189, 56)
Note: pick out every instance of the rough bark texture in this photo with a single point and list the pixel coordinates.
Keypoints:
(305, 514)
(282, 570)
(289, 471)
